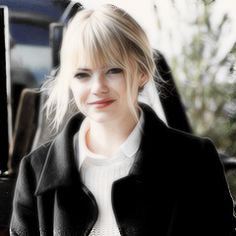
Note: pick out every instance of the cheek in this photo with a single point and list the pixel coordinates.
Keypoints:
(74, 90)
(119, 86)
(79, 93)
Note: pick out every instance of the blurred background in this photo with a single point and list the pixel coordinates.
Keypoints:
(196, 37)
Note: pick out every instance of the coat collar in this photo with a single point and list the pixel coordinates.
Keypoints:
(60, 168)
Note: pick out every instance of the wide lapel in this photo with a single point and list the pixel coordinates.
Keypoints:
(59, 167)
(72, 207)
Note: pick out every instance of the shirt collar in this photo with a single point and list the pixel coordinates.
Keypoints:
(127, 149)
(132, 143)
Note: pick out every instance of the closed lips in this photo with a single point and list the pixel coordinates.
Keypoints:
(102, 101)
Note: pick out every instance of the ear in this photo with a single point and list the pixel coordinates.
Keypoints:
(143, 79)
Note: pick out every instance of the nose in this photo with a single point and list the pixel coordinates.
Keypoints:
(99, 85)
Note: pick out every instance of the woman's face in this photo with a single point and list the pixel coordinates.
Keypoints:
(100, 93)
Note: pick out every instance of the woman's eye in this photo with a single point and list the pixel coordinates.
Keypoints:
(81, 75)
(115, 71)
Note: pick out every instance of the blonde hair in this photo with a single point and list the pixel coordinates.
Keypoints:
(105, 36)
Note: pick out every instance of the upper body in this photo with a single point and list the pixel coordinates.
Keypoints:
(176, 186)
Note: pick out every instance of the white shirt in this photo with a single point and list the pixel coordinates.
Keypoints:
(98, 173)
(127, 149)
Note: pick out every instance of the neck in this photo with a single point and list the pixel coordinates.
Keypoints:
(105, 138)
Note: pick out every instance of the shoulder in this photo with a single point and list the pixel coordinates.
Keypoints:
(176, 145)
(193, 151)
(190, 142)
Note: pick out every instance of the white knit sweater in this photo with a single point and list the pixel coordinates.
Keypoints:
(99, 172)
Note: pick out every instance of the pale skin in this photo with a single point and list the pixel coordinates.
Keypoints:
(102, 134)
(109, 125)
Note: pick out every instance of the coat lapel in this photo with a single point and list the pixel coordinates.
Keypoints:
(60, 168)
(141, 198)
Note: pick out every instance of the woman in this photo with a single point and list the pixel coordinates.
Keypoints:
(116, 168)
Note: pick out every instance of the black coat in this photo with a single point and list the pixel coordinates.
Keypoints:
(176, 187)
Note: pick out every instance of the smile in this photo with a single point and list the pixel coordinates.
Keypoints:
(102, 104)
(102, 101)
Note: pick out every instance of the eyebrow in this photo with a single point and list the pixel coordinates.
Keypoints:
(89, 70)
(84, 69)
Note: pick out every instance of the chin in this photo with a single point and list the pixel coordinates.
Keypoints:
(102, 118)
